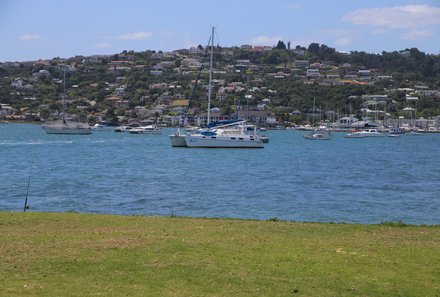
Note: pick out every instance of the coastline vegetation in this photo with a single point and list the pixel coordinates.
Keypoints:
(149, 84)
(70, 254)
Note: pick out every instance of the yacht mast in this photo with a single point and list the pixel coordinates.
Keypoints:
(210, 76)
(64, 94)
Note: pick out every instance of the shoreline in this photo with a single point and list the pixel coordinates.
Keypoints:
(286, 128)
(272, 219)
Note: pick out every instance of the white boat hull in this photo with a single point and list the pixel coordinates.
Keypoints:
(370, 133)
(264, 139)
(318, 136)
(102, 128)
(363, 135)
(201, 141)
(71, 128)
(178, 140)
(151, 129)
(51, 130)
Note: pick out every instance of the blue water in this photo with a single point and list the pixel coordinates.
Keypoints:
(342, 180)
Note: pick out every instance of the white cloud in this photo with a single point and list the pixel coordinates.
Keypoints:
(416, 35)
(341, 37)
(400, 17)
(135, 35)
(101, 45)
(29, 37)
(265, 40)
(343, 41)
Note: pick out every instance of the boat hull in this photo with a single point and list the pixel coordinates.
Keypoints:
(146, 130)
(50, 130)
(102, 128)
(199, 141)
(264, 139)
(67, 129)
(363, 136)
(371, 133)
(316, 135)
(178, 141)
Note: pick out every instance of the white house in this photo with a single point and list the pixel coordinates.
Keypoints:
(313, 73)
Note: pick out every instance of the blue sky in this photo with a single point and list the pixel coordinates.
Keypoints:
(31, 30)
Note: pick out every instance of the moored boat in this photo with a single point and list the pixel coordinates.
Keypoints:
(67, 127)
(102, 127)
(226, 136)
(150, 129)
(365, 133)
(318, 135)
(234, 134)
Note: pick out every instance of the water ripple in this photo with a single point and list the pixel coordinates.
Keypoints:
(363, 180)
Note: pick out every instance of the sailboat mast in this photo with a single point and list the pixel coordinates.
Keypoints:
(64, 94)
(210, 76)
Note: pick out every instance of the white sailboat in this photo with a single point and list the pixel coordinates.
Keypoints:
(232, 135)
(413, 129)
(321, 133)
(235, 135)
(65, 126)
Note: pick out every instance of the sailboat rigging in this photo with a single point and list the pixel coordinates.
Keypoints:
(318, 133)
(65, 126)
(230, 135)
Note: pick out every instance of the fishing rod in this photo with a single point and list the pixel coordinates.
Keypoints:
(26, 205)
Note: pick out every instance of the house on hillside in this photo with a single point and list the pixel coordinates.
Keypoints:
(221, 94)
(302, 63)
(158, 86)
(190, 63)
(364, 75)
(258, 117)
(156, 72)
(117, 101)
(313, 73)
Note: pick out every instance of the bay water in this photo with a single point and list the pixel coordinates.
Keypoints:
(340, 180)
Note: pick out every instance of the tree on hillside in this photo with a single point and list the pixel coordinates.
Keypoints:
(281, 45)
(313, 48)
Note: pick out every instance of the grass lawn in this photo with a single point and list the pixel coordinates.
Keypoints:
(66, 254)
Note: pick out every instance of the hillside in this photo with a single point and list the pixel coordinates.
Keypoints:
(274, 82)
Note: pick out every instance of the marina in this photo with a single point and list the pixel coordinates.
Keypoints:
(370, 180)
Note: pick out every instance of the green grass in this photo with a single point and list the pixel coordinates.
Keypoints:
(52, 254)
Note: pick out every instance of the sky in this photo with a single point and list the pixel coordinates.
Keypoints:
(44, 29)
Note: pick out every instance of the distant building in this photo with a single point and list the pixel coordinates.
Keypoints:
(156, 72)
(428, 93)
(313, 73)
(302, 63)
(221, 96)
(364, 75)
